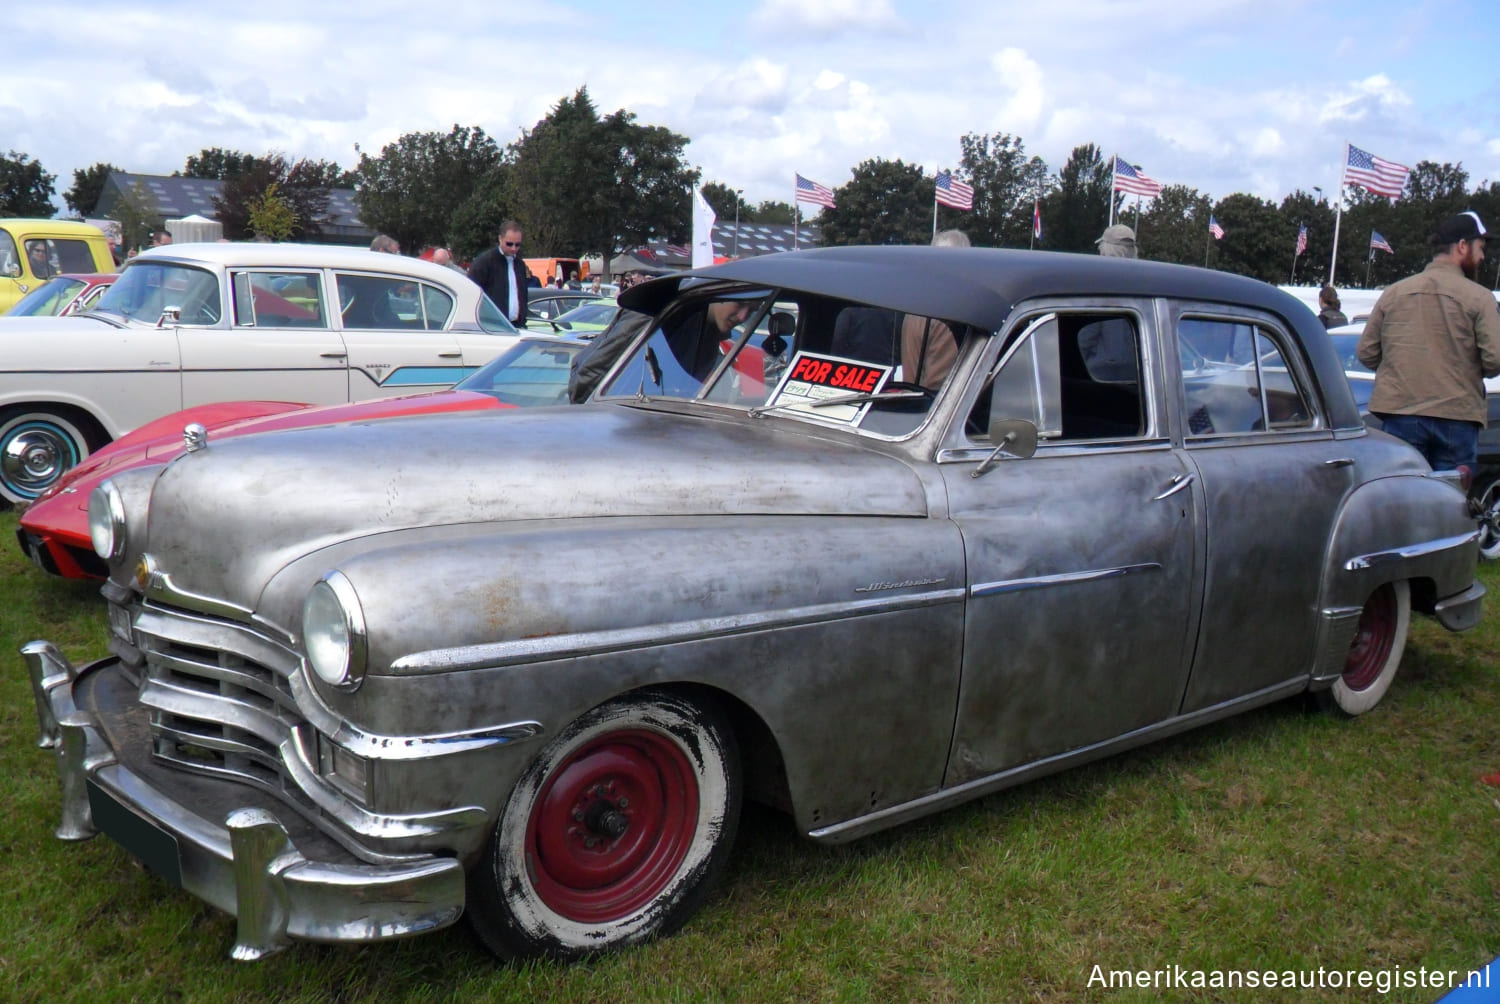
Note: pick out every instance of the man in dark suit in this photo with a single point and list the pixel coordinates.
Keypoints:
(502, 274)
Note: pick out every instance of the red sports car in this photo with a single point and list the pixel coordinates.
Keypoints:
(54, 530)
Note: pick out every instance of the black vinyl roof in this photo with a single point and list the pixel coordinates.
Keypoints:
(981, 286)
(978, 286)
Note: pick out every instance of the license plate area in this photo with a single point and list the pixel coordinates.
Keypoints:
(154, 846)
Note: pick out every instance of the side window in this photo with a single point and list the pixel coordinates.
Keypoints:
(279, 300)
(10, 259)
(437, 306)
(39, 259)
(73, 256)
(1075, 376)
(380, 302)
(1236, 379)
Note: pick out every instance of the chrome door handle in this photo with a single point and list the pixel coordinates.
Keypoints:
(1179, 482)
(334, 355)
(450, 355)
(1339, 462)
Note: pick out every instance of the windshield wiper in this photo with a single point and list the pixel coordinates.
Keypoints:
(855, 397)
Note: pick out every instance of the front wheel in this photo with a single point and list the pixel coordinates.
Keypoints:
(1375, 653)
(614, 834)
(36, 448)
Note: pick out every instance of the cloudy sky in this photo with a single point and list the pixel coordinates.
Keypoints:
(1254, 96)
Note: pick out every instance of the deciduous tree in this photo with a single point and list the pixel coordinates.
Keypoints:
(583, 183)
(1076, 209)
(413, 189)
(886, 202)
(299, 185)
(88, 185)
(1006, 184)
(25, 189)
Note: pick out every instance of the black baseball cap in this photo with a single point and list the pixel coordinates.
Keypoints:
(1465, 226)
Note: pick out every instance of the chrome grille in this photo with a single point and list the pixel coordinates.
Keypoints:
(220, 696)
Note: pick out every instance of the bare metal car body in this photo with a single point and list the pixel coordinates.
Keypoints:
(1107, 523)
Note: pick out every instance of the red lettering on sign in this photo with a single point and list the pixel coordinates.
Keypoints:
(804, 369)
(870, 379)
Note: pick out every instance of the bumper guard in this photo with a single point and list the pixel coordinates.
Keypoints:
(246, 863)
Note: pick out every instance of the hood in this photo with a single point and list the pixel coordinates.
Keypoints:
(225, 519)
(64, 507)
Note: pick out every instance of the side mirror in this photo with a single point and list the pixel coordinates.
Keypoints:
(169, 315)
(1013, 437)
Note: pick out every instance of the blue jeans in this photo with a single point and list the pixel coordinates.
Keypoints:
(1447, 443)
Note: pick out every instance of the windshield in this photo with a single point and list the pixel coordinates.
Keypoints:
(796, 354)
(589, 313)
(529, 374)
(47, 300)
(144, 289)
(1345, 345)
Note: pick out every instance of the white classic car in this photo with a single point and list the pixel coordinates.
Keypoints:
(191, 324)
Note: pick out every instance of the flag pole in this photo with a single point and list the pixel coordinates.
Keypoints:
(1112, 180)
(1208, 244)
(1368, 262)
(934, 209)
(1291, 280)
(794, 212)
(1031, 245)
(1338, 218)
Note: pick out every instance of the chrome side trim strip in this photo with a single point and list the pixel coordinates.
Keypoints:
(523, 650)
(1375, 558)
(1061, 579)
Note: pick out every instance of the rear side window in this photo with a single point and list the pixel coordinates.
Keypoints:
(72, 256)
(1237, 378)
(377, 302)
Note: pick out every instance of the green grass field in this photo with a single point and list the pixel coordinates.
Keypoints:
(1281, 840)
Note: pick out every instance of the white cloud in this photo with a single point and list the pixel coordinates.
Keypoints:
(828, 18)
(1021, 91)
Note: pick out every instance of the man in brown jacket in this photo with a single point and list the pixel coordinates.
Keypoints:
(1431, 340)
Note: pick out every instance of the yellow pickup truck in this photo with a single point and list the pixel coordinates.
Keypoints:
(32, 251)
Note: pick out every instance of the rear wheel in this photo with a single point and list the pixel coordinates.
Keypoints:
(36, 447)
(1488, 500)
(1375, 653)
(614, 834)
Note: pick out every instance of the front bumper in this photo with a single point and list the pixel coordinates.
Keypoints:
(59, 555)
(224, 842)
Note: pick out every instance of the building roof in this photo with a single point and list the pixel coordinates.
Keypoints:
(176, 197)
(741, 240)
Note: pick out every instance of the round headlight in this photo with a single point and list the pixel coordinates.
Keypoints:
(107, 521)
(333, 631)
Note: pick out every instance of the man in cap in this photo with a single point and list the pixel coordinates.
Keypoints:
(1431, 340)
(1118, 241)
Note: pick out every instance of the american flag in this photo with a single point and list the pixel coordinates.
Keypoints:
(1128, 179)
(952, 192)
(1215, 229)
(1036, 220)
(1301, 239)
(1383, 177)
(679, 249)
(811, 191)
(1379, 243)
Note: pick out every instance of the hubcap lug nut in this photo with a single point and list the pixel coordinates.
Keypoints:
(624, 802)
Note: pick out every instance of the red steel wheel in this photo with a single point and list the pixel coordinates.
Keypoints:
(612, 825)
(614, 834)
(1375, 653)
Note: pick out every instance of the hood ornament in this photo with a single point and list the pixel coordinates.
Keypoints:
(194, 437)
